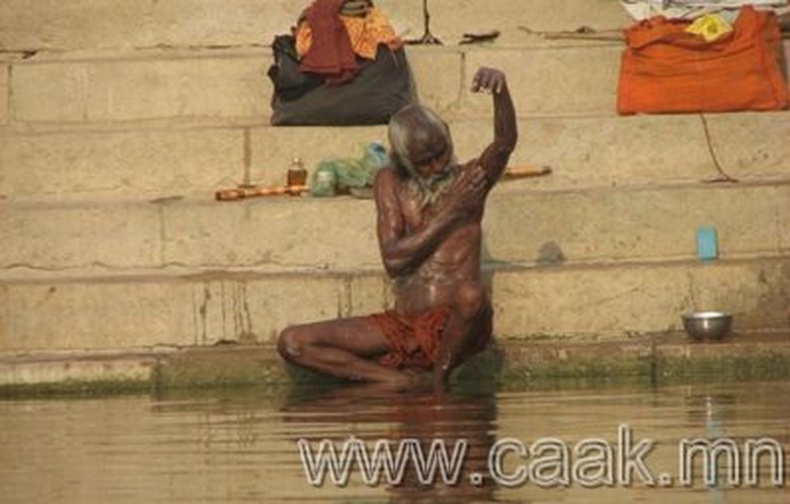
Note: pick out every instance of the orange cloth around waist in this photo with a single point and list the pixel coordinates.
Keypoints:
(364, 33)
(413, 340)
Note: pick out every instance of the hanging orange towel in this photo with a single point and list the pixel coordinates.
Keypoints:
(666, 69)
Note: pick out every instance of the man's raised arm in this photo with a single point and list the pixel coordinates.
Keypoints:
(495, 157)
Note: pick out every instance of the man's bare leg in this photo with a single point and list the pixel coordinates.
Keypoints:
(469, 318)
(343, 348)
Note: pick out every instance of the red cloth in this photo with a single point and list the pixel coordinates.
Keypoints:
(330, 53)
(665, 69)
(414, 340)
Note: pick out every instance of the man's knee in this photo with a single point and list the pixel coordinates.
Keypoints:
(291, 343)
(470, 299)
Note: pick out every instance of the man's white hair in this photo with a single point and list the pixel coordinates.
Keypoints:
(416, 128)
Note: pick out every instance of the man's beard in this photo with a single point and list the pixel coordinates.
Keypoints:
(429, 190)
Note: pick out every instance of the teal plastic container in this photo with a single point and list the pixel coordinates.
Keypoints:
(707, 244)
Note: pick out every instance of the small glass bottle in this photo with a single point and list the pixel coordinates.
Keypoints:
(297, 174)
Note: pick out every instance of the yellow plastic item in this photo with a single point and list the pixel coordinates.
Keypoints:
(710, 27)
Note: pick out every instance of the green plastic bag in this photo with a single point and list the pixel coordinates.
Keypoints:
(338, 176)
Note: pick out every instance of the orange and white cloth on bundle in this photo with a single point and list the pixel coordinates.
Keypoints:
(364, 32)
(666, 69)
(329, 41)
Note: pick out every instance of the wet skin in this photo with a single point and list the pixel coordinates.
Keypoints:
(431, 250)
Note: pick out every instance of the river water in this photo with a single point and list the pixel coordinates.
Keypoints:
(545, 445)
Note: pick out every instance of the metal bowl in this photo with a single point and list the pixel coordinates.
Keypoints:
(707, 325)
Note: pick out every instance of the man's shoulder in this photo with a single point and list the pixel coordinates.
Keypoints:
(388, 175)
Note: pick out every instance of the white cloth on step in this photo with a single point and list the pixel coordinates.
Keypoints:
(692, 9)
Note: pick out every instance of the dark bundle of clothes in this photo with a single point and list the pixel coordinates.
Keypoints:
(341, 65)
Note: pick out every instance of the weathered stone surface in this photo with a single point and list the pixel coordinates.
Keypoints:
(550, 81)
(4, 94)
(751, 145)
(159, 87)
(257, 308)
(284, 233)
(232, 84)
(227, 366)
(64, 237)
(127, 312)
(72, 374)
(601, 302)
(273, 148)
(597, 302)
(584, 152)
(450, 19)
(507, 365)
(5, 317)
(81, 24)
(439, 77)
(612, 225)
(602, 151)
(98, 315)
(128, 164)
(579, 303)
(782, 220)
(298, 234)
(756, 293)
(109, 99)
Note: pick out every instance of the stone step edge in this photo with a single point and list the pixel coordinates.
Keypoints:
(258, 122)
(251, 122)
(26, 276)
(654, 359)
(504, 188)
(43, 56)
(33, 56)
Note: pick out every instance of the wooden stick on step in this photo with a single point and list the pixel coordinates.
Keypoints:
(517, 172)
(257, 191)
(239, 193)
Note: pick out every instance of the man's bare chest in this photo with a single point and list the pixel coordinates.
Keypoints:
(417, 212)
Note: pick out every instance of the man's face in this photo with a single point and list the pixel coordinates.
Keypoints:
(432, 160)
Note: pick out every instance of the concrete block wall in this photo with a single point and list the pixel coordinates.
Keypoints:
(119, 120)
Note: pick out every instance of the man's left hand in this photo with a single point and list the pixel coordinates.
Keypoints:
(488, 79)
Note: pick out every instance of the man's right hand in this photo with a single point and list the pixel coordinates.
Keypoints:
(469, 190)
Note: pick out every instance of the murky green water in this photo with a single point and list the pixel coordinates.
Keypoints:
(242, 447)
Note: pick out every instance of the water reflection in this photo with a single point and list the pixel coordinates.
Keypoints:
(242, 446)
(380, 414)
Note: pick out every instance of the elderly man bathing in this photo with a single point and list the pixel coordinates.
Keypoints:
(429, 213)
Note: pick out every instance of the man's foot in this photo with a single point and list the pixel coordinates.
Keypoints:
(410, 380)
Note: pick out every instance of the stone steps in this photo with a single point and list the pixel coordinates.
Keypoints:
(287, 234)
(186, 308)
(231, 84)
(588, 263)
(155, 162)
(190, 23)
(655, 359)
(136, 123)
(113, 139)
